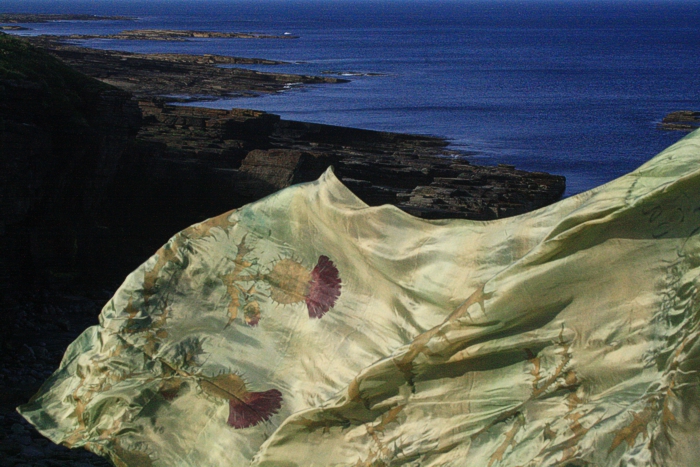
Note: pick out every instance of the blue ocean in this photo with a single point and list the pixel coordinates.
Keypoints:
(568, 87)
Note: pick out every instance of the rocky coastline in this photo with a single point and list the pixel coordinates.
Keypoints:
(98, 173)
(175, 35)
(181, 77)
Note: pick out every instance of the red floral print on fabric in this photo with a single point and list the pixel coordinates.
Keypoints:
(324, 288)
(254, 408)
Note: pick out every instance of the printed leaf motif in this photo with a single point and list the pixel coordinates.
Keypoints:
(233, 280)
(324, 289)
(637, 426)
(233, 290)
(380, 450)
(168, 252)
(509, 441)
(246, 408)
(203, 229)
(170, 388)
(549, 434)
(187, 351)
(126, 458)
(165, 254)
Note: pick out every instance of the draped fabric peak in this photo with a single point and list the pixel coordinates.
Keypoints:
(308, 329)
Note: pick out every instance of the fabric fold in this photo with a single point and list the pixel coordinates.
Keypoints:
(308, 329)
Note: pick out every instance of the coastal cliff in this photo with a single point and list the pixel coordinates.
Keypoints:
(94, 181)
(63, 135)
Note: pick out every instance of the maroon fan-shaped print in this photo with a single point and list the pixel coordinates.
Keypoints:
(254, 408)
(324, 288)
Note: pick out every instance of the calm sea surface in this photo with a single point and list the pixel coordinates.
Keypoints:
(574, 88)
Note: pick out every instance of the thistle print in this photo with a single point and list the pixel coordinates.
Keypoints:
(254, 408)
(291, 282)
(324, 288)
(246, 408)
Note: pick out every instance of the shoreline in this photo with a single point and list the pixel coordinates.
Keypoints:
(199, 77)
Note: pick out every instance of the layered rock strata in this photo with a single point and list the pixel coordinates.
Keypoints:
(261, 153)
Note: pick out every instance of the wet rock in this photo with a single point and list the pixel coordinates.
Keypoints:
(266, 171)
(683, 120)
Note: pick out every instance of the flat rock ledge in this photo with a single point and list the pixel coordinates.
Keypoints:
(179, 77)
(261, 153)
(682, 120)
(176, 35)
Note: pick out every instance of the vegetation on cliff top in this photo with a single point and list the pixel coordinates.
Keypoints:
(64, 89)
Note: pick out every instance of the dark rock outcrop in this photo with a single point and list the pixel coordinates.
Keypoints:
(176, 35)
(181, 77)
(95, 182)
(255, 153)
(61, 137)
(683, 120)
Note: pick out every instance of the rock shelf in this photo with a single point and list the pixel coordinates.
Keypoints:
(185, 78)
(177, 35)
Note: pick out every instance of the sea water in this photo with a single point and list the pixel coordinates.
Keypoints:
(575, 88)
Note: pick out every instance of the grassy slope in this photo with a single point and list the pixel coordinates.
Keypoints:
(65, 92)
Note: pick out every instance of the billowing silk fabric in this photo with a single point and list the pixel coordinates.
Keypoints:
(308, 329)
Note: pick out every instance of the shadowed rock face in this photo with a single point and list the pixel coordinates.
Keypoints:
(62, 135)
(261, 153)
(94, 182)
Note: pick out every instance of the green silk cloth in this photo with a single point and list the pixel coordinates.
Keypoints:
(308, 329)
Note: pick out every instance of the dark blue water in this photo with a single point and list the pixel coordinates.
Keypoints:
(574, 88)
